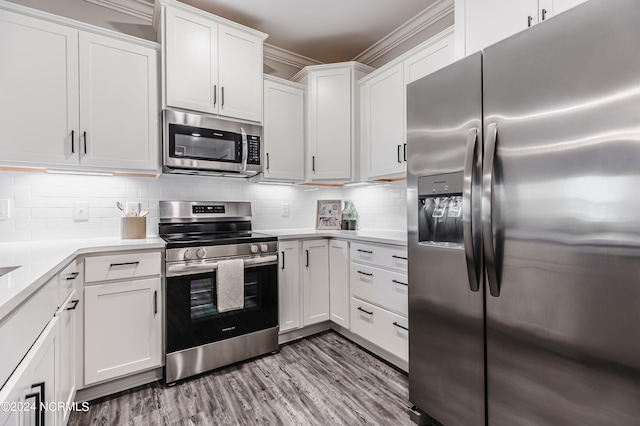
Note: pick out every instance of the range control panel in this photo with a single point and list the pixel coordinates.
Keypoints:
(253, 143)
(207, 209)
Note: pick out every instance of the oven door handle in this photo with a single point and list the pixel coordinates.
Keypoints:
(181, 268)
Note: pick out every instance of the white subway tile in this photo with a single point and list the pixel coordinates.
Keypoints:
(30, 224)
(25, 201)
(46, 213)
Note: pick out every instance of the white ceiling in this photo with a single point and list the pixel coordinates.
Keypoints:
(326, 30)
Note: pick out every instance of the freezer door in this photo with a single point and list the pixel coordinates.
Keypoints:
(446, 337)
(562, 110)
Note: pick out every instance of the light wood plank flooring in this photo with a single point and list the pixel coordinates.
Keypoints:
(321, 380)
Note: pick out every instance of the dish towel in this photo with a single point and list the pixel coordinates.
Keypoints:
(230, 285)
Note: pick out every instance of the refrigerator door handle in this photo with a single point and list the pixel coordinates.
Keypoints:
(487, 209)
(467, 208)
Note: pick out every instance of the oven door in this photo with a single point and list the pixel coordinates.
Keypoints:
(192, 315)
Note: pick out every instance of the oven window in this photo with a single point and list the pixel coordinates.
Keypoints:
(204, 144)
(203, 299)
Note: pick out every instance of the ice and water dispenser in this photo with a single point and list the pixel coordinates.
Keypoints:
(440, 209)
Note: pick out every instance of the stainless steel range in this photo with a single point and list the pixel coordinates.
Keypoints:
(200, 235)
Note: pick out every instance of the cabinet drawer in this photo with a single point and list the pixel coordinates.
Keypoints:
(122, 266)
(67, 278)
(385, 288)
(394, 257)
(381, 327)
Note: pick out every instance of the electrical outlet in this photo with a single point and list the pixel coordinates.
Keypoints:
(81, 211)
(5, 208)
(133, 206)
(284, 210)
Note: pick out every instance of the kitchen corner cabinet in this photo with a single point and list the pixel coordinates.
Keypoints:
(339, 282)
(289, 286)
(332, 112)
(383, 112)
(73, 99)
(315, 281)
(480, 24)
(212, 65)
(123, 315)
(283, 130)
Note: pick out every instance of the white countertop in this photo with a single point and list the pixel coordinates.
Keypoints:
(41, 260)
(383, 236)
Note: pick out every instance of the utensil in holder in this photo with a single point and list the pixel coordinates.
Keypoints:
(133, 228)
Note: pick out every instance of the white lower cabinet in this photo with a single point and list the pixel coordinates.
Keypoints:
(339, 282)
(289, 286)
(122, 329)
(381, 327)
(315, 281)
(67, 316)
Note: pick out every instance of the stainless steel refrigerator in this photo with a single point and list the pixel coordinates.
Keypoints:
(524, 227)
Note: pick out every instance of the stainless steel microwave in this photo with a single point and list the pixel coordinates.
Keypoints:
(200, 144)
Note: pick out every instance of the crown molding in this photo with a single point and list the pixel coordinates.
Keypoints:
(142, 9)
(413, 26)
(287, 57)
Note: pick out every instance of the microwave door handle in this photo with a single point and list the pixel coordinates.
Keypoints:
(245, 148)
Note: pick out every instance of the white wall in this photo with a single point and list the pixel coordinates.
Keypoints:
(42, 204)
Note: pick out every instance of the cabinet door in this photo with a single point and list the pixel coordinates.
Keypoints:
(118, 104)
(329, 124)
(339, 282)
(487, 22)
(122, 330)
(283, 132)
(549, 8)
(431, 58)
(39, 91)
(289, 286)
(383, 123)
(67, 376)
(315, 281)
(191, 60)
(240, 71)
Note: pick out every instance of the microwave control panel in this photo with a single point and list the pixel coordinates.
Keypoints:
(253, 143)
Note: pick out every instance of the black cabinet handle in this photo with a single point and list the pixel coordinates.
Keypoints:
(405, 152)
(399, 326)
(222, 102)
(215, 94)
(529, 20)
(42, 399)
(282, 260)
(84, 137)
(366, 312)
(74, 305)
(155, 302)
(307, 252)
(72, 276)
(365, 251)
(544, 14)
(267, 161)
(365, 273)
(399, 282)
(399, 160)
(113, 265)
(73, 149)
(313, 163)
(35, 395)
(399, 257)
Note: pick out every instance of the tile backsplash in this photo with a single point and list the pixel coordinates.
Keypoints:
(41, 204)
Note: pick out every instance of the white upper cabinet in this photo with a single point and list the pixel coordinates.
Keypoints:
(382, 106)
(118, 84)
(283, 130)
(39, 86)
(480, 24)
(211, 65)
(331, 120)
(76, 99)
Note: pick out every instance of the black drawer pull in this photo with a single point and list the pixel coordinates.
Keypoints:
(366, 312)
(399, 257)
(124, 264)
(42, 399)
(400, 326)
(365, 273)
(365, 251)
(74, 305)
(72, 276)
(35, 395)
(399, 282)
(282, 260)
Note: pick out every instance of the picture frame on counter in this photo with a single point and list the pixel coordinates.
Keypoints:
(328, 216)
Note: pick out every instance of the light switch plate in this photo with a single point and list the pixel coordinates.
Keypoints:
(133, 206)
(81, 211)
(284, 209)
(5, 208)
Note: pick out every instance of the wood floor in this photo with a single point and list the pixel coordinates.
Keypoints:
(322, 380)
